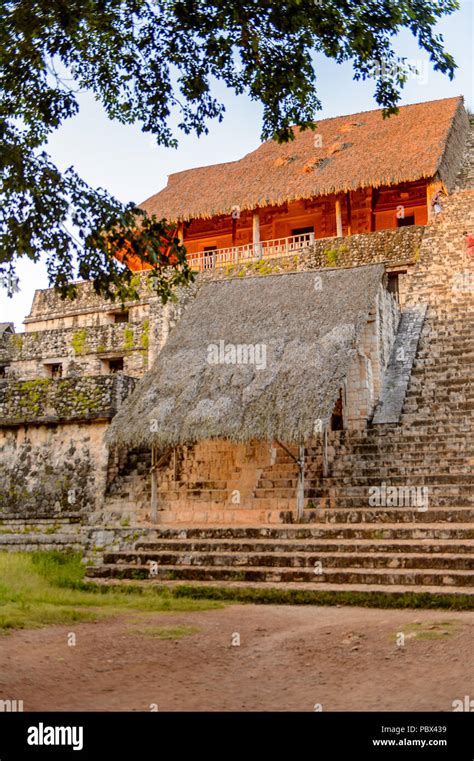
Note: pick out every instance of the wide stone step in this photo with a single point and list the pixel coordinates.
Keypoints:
(420, 421)
(39, 527)
(324, 531)
(411, 472)
(412, 441)
(235, 546)
(373, 453)
(30, 542)
(316, 561)
(390, 515)
(445, 482)
(323, 499)
(350, 575)
(267, 511)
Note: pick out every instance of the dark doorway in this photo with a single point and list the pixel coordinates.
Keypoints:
(303, 231)
(337, 420)
(406, 221)
(116, 365)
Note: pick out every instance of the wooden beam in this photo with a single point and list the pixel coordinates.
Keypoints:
(338, 219)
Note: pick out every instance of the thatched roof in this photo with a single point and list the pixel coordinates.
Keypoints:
(360, 150)
(309, 329)
(6, 327)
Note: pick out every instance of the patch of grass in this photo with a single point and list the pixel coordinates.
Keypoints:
(168, 632)
(323, 597)
(430, 629)
(42, 588)
(31, 616)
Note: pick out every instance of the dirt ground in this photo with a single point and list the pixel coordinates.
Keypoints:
(289, 659)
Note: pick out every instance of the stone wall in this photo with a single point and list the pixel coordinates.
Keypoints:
(50, 311)
(364, 378)
(52, 470)
(84, 338)
(398, 249)
(80, 351)
(42, 400)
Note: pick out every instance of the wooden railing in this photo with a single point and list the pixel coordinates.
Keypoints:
(251, 252)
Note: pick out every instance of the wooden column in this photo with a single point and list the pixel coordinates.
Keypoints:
(349, 213)
(180, 231)
(373, 201)
(429, 196)
(256, 234)
(338, 219)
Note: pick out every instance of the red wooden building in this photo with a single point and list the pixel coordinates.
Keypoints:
(353, 174)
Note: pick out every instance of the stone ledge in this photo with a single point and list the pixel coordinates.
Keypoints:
(69, 399)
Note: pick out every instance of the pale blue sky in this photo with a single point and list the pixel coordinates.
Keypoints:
(128, 163)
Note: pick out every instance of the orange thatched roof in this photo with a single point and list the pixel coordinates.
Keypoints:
(360, 150)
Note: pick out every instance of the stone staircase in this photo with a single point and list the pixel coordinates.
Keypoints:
(127, 498)
(337, 554)
(348, 540)
(397, 375)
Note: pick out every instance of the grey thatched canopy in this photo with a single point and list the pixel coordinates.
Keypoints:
(299, 329)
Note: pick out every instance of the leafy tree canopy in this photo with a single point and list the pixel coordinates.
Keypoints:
(147, 61)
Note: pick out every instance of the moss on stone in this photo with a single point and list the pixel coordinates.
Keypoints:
(145, 336)
(78, 341)
(31, 392)
(17, 341)
(128, 339)
(333, 256)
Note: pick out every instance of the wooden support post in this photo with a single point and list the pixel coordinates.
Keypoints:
(338, 219)
(256, 234)
(325, 452)
(349, 213)
(154, 487)
(300, 488)
(180, 231)
(373, 201)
